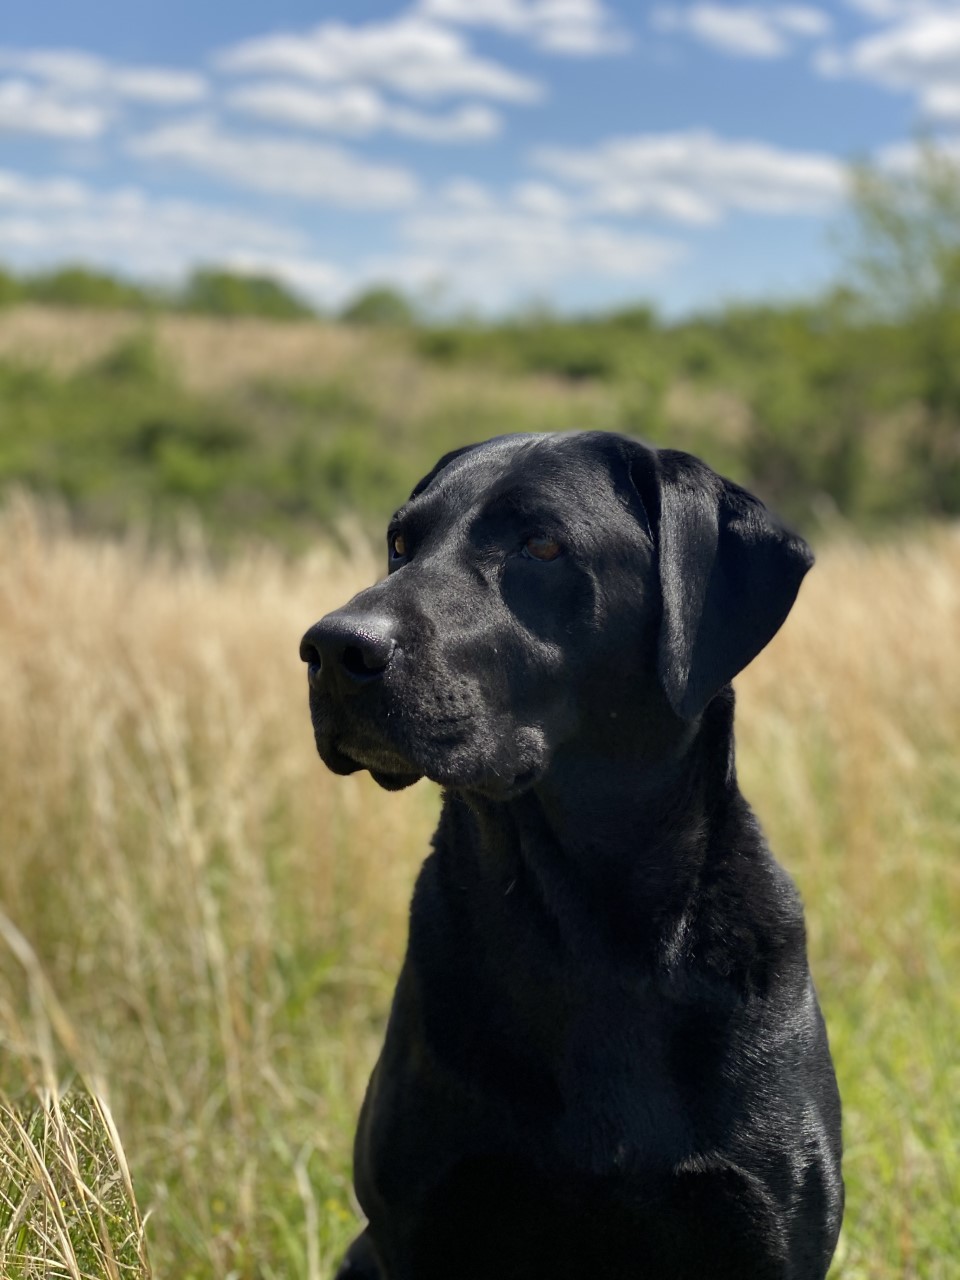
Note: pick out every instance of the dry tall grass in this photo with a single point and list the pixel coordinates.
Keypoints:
(215, 923)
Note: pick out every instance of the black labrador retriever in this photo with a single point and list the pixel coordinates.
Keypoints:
(605, 1056)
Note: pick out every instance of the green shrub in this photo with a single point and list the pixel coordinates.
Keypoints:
(225, 293)
(78, 286)
(11, 290)
(133, 359)
(380, 307)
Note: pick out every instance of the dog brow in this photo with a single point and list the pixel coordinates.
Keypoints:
(522, 501)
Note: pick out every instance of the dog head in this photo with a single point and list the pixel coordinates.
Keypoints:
(543, 592)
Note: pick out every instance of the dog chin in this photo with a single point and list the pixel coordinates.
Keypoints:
(394, 781)
(336, 761)
(390, 779)
(393, 771)
(387, 769)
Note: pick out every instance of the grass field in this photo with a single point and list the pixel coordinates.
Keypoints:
(200, 927)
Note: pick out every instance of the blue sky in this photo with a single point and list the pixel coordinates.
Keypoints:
(483, 153)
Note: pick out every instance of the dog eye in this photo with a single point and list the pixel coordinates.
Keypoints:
(541, 548)
(398, 546)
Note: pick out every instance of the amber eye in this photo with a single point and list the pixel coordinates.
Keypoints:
(541, 548)
(398, 546)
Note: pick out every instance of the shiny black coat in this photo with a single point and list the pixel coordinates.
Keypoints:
(605, 1055)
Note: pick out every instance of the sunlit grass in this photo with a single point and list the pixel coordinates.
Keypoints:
(203, 926)
(67, 1204)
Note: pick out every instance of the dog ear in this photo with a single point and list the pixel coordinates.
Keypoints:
(729, 574)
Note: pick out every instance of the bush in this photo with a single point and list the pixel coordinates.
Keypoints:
(380, 307)
(78, 286)
(133, 359)
(11, 289)
(225, 293)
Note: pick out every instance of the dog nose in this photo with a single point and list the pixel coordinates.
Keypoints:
(351, 650)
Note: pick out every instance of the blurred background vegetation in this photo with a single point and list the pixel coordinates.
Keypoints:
(229, 399)
(200, 927)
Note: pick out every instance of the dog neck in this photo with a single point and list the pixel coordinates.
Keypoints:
(609, 847)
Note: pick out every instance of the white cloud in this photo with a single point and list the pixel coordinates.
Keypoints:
(576, 27)
(751, 31)
(473, 246)
(47, 221)
(45, 196)
(50, 220)
(802, 20)
(41, 193)
(543, 200)
(465, 193)
(873, 8)
(695, 176)
(468, 124)
(409, 55)
(496, 256)
(911, 53)
(156, 85)
(884, 9)
(906, 159)
(74, 73)
(942, 101)
(27, 109)
(319, 172)
(919, 53)
(483, 248)
(358, 111)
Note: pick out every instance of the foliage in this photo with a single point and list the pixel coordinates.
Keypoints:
(79, 286)
(601, 348)
(11, 289)
(224, 293)
(818, 411)
(904, 234)
(906, 256)
(379, 307)
(208, 291)
(844, 406)
(122, 440)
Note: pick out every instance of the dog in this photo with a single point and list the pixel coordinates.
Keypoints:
(605, 1056)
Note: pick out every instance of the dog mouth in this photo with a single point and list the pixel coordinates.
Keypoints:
(394, 771)
(388, 768)
(453, 753)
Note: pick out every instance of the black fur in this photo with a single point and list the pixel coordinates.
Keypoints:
(605, 1055)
